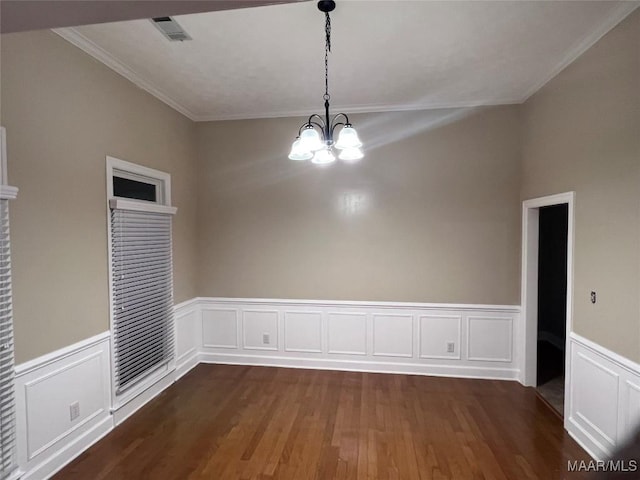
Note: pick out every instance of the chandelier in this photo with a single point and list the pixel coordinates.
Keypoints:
(315, 137)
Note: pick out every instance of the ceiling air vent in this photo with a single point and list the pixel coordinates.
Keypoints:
(170, 29)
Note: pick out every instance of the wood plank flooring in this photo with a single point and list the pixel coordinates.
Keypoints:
(234, 422)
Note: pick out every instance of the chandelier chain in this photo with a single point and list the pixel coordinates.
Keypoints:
(327, 49)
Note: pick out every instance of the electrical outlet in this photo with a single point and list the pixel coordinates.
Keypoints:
(451, 347)
(266, 339)
(74, 410)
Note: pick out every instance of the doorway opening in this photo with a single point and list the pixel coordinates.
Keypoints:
(547, 286)
(552, 303)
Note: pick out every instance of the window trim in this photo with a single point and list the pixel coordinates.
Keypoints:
(133, 171)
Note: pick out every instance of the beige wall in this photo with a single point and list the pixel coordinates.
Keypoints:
(582, 133)
(64, 112)
(431, 214)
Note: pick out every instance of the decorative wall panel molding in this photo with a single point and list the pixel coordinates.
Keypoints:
(437, 333)
(392, 335)
(490, 338)
(346, 333)
(303, 331)
(62, 405)
(260, 329)
(220, 328)
(188, 336)
(434, 339)
(603, 397)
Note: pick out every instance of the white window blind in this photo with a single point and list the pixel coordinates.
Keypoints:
(142, 287)
(7, 373)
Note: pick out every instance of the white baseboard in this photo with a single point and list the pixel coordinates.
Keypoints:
(354, 366)
(55, 462)
(187, 362)
(603, 397)
(588, 442)
(153, 387)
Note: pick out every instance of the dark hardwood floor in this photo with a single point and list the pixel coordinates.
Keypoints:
(234, 422)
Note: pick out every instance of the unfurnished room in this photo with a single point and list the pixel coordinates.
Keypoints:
(316, 240)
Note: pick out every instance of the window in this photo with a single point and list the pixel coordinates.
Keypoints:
(138, 190)
(7, 372)
(131, 181)
(141, 272)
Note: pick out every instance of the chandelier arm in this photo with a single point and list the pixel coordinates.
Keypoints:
(304, 125)
(346, 119)
(321, 127)
(334, 125)
(315, 115)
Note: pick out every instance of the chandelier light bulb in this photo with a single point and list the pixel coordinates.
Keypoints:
(297, 153)
(310, 140)
(324, 156)
(348, 138)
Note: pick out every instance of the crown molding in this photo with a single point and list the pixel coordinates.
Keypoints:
(83, 43)
(619, 14)
(372, 108)
(89, 47)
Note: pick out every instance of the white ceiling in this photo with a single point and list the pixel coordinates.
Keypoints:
(387, 55)
(21, 15)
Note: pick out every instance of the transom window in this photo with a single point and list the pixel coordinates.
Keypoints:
(135, 182)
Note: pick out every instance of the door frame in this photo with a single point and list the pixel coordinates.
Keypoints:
(529, 283)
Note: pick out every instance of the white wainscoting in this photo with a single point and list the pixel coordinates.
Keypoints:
(47, 437)
(603, 397)
(188, 334)
(362, 336)
(603, 388)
